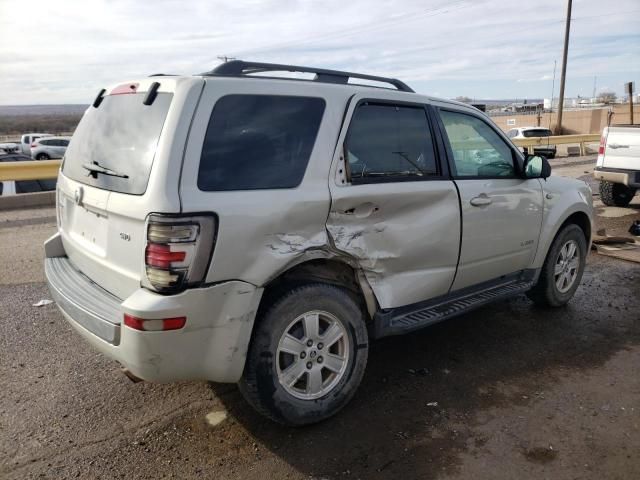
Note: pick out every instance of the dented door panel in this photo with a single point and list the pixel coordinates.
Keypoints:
(404, 236)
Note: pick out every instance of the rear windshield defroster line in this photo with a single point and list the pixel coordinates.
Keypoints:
(120, 136)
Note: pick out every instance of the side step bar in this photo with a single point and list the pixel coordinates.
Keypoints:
(402, 320)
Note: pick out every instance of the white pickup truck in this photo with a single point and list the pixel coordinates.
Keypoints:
(618, 165)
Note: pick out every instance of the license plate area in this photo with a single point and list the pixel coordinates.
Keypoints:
(87, 227)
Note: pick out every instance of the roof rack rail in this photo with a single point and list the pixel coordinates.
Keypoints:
(239, 68)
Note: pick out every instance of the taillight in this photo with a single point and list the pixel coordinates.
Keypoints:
(154, 325)
(34, 145)
(603, 144)
(178, 251)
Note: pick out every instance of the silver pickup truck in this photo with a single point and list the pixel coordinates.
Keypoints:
(238, 228)
(618, 165)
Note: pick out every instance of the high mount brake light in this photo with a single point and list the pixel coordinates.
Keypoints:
(125, 89)
(178, 251)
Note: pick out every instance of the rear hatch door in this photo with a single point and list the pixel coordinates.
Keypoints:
(123, 163)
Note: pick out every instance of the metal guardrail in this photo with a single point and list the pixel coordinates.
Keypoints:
(29, 170)
(559, 140)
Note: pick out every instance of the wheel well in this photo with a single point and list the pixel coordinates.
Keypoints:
(333, 272)
(582, 220)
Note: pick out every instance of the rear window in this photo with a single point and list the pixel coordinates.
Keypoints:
(121, 135)
(259, 142)
(541, 132)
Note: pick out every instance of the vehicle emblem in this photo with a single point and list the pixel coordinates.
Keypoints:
(77, 197)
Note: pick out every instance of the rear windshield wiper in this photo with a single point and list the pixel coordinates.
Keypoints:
(95, 168)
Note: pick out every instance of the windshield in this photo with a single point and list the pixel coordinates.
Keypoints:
(120, 135)
(538, 132)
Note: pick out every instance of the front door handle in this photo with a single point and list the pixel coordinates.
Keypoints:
(480, 201)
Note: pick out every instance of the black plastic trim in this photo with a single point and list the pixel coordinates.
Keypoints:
(152, 93)
(99, 98)
(401, 320)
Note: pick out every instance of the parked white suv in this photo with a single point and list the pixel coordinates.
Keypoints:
(28, 140)
(546, 149)
(241, 228)
(49, 148)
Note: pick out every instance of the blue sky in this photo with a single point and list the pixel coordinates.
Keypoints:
(64, 53)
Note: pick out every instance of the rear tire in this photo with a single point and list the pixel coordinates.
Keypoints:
(318, 380)
(563, 268)
(42, 156)
(616, 194)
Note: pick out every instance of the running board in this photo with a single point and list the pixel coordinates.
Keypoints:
(402, 320)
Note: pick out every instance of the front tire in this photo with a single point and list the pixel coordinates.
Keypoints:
(42, 156)
(615, 194)
(307, 355)
(562, 269)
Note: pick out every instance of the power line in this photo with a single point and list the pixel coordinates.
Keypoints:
(381, 24)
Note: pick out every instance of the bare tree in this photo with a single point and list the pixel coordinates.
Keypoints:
(607, 97)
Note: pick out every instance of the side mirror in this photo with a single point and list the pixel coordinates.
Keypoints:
(536, 167)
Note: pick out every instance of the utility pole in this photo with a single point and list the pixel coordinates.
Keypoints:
(564, 68)
(629, 89)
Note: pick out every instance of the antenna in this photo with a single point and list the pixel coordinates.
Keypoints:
(224, 58)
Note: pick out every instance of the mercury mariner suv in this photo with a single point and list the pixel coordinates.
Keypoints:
(240, 226)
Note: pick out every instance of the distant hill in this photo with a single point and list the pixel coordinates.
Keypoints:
(17, 119)
(70, 109)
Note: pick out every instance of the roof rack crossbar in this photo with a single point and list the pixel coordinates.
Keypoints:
(239, 67)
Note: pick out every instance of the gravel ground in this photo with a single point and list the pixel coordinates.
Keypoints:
(508, 391)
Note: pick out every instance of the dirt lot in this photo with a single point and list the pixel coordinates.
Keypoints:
(508, 391)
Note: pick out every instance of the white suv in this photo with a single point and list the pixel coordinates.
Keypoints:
(241, 228)
(547, 150)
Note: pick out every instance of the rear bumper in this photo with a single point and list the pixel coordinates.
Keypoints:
(630, 178)
(212, 345)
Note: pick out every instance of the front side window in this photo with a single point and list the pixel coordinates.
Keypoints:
(388, 143)
(478, 151)
(259, 142)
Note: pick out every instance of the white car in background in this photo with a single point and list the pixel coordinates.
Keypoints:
(546, 150)
(9, 148)
(27, 139)
(49, 147)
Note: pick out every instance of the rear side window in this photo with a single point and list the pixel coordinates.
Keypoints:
(390, 143)
(540, 132)
(259, 142)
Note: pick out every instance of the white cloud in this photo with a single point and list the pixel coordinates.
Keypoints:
(465, 47)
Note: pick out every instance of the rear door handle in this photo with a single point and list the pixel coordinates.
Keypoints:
(480, 200)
